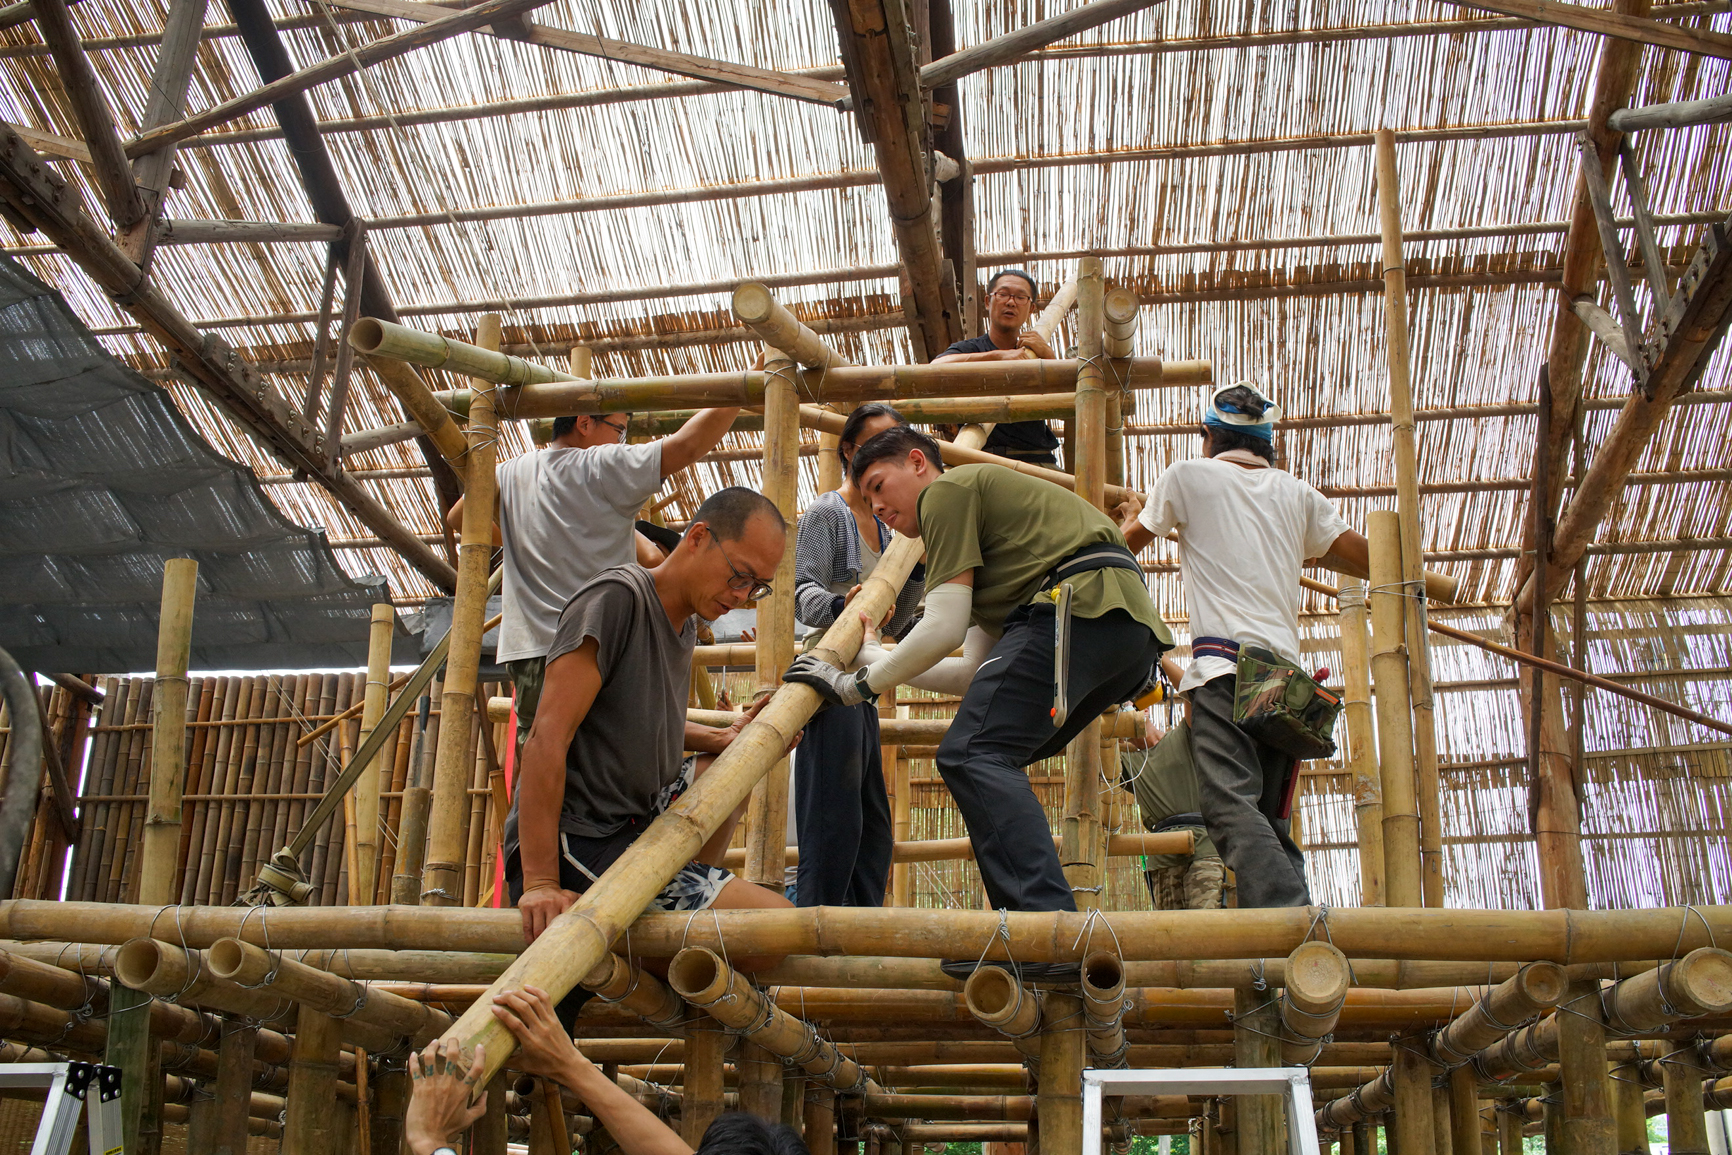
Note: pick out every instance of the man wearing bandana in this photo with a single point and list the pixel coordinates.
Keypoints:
(1245, 529)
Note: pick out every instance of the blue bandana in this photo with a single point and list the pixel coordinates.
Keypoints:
(1226, 415)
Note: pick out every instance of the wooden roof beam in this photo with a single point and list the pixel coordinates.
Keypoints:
(38, 196)
(787, 84)
(168, 86)
(331, 68)
(1614, 23)
(90, 108)
(879, 50)
(1015, 46)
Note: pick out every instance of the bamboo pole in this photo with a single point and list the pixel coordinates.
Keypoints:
(703, 979)
(1628, 1106)
(995, 997)
(308, 1120)
(1464, 1121)
(1535, 989)
(1317, 980)
(536, 391)
(1406, 461)
(233, 1088)
(1119, 342)
(818, 1120)
(1686, 1121)
(758, 309)
(157, 871)
(417, 797)
(1401, 879)
(442, 874)
(706, 1043)
(1588, 1125)
(759, 1075)
(627, 985)
(895, 769)
(1361, 740)
(1062, 1057)
(767, 817)
(1103, 997)
(1415, 1124)
(364, 879)
(258, 969)
(1257, 1043)
(424, 408)
(577, 940)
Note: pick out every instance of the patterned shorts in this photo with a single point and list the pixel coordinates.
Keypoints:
(695, 887)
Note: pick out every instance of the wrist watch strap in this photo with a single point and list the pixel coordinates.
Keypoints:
(445, 1151)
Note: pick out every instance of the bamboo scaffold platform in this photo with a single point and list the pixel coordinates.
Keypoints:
(291, 1020)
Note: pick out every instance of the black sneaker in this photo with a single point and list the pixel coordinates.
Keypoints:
(1054, 974)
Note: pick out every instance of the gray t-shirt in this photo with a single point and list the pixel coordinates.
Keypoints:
(630, 745)
(564, 516)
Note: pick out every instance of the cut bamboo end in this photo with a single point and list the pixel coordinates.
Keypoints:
(1103, 997)
(1121, 313)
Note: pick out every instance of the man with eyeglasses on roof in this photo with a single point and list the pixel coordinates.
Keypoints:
(607, 753)
(1009, 301)
(566, 512)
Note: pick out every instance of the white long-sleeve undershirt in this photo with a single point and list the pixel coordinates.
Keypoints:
(922, 658)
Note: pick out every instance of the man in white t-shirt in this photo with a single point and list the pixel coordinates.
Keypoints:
(568, 511)
(1245, 530)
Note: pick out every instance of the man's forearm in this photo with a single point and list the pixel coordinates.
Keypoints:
(631, 1124)
(705, 739)
(540, 797)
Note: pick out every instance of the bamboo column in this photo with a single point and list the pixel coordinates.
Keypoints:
(1631, 1111)
(364, 880)
(308, 1121)
(1062, 1057)
(1686, 1121)
(896, 767)
(767, 818)
(157, 869)
(760, 1079)
(1442, 1125)
(233, 1087)
(1414, 1129)
(706, 1043)
(1121, 308)
(580, 937)
(417, 797)
(1401, 880)
(1361, 740)
(491, 1133)
(1589, 1127)
(1079, 849)
(818, 1122)
(131, 1048)
(1257, 1043)
(1509, 1128)
(442, 875)
(1464, 1122)
(1406, 460)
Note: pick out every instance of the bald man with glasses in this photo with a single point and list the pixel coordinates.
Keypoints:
(1009, 302)
(566, 512)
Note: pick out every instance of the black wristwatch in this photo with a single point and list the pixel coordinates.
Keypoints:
(863, 685)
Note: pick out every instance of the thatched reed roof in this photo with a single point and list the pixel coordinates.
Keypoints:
(1178, 142)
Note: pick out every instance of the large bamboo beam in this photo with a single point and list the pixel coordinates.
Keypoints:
(332, 68)
(159, 856)
(258, 969)
(758, 309)
(579, 938)
(168, 87)
(453, 766)
(1563, 936)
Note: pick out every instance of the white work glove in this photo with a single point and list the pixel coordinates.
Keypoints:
(837, 687)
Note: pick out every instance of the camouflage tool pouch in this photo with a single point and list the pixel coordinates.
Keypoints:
(1282, 706)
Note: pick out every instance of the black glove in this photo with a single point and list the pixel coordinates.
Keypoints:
(837, 687)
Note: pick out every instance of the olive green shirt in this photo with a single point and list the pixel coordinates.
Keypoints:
(1011, 529)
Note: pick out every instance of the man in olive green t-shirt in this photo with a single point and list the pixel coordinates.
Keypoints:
(996, 542)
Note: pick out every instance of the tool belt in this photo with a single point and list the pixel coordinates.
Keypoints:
(1276, 702)
(1056, 583)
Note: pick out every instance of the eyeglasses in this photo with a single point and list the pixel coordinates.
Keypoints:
(1013, 298)
(744, 581)
(619, 429)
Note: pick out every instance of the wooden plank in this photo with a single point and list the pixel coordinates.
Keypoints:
(332, 68)
(1638, 29)
(661, 59)
(95, 121)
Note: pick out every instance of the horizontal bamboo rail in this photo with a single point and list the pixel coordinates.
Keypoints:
(1533, 990)
(962, 849)
(1444, 935)
(930, 731)
(258, 969)
(701, 977)
(534, 390)
(629, 986)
